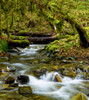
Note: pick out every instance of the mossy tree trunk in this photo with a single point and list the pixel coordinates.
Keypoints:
(82, 33)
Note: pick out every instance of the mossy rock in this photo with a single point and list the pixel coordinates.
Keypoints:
(25, 90)
(38, 72)
(69, 73)
(18, 43)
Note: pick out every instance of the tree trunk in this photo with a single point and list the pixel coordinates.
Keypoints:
(82, 33)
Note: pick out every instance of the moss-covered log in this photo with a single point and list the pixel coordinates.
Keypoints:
(82, 33)
(18, 43)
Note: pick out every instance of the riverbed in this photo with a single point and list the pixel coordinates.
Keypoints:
(45, 87)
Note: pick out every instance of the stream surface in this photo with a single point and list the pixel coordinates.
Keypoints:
(29, 58)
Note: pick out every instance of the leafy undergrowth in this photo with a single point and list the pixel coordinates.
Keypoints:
(66, 42)
(79, 52)
(68, 46)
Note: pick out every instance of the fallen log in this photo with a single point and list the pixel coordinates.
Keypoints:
(42, 40)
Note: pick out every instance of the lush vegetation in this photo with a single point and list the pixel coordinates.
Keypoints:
(61, 24)
(62, 16)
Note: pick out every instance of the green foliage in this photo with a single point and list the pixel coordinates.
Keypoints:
(52, 46)
(21, 38)
(3, 46)
(16, 14)
(17, 37)
(21, 41)
(65, 43)
(23, 31)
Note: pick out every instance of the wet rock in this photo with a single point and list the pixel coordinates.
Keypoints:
(10, 69)
(66, 61)
(10, 80)
(25, 90)
(78, 71)
(80, 77)
(79, 96)
(14, 85)
(69, 73)
(39, 72)
(23, 79)
(57, 77)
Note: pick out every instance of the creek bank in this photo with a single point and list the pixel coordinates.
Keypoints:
(74, 66)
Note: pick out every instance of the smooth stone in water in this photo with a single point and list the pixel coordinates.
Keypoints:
(39, 72)
(23, 79)
(57, 77)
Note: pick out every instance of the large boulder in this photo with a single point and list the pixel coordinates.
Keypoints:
(23, 79)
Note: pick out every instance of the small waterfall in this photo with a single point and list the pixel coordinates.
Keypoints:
(47, 86)
(50, 76)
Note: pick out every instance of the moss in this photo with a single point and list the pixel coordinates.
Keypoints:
(65, 43)
(23, 31)
(21, 38)
(52, 46)
(17, 37)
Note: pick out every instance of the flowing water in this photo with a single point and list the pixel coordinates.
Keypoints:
(45, 86)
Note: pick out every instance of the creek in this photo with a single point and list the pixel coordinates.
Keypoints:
(45, 88)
